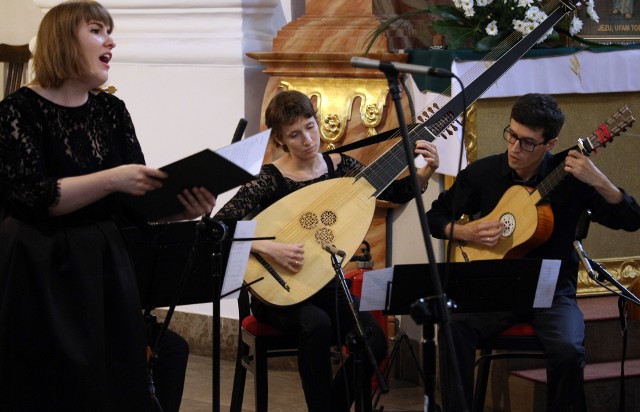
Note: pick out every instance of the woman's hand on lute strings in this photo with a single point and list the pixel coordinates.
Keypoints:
(288, 255)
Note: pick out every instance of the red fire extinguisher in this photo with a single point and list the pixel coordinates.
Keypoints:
(355, 277)
(364, 264)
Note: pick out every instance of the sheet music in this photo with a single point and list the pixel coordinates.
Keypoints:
(549, 271)
(374, 289)
(247, 153)
(238, 258)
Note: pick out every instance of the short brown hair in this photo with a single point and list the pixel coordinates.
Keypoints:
(58, 56)
(285, 108)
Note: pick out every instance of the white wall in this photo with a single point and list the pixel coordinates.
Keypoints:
(19, 20)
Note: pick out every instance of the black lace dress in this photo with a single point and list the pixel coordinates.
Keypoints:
(71, 330)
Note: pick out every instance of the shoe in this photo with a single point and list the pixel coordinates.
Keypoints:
(628, 16)
(615, 11)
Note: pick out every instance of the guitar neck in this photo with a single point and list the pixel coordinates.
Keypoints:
(615, 124)
(550, 182)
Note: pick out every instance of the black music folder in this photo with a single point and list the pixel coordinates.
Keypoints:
(210, 169)
(203, 169)
(483, 285)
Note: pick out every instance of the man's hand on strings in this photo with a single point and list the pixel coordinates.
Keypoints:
(583, 169)
(429, 152)
(484, 233)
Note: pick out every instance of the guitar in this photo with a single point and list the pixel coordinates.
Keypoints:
(339, 211)
(528, 221)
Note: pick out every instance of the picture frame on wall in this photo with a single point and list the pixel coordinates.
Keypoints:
(619, 22)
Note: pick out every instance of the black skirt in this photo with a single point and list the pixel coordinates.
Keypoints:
(71, 329)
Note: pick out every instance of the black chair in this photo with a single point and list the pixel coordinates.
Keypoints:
(257, 342)
(518, 341)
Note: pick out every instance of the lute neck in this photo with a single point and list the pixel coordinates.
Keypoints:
(388, 167)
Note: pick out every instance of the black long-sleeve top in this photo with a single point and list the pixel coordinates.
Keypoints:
(479, 187)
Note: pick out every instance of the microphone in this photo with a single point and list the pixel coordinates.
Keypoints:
(333, 250)
(217, 229)
(584, 259)
(365, 63)
(242, 124)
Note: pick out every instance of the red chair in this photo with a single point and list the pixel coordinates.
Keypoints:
(256, 343)
(518, 341)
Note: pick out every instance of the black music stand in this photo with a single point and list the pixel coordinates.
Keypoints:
(159, 253)
(483, 285)
(182, 263)
(157, 276)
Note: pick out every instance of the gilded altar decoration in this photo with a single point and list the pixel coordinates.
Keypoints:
(331, 126)
(625, 270)
(335, 98)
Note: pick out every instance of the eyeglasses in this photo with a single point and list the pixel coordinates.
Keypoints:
(526, 144)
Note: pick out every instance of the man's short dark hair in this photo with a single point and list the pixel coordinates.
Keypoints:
(539, 111)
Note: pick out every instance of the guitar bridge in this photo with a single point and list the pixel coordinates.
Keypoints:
(462, 243)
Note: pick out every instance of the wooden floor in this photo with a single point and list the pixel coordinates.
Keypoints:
(285, 391)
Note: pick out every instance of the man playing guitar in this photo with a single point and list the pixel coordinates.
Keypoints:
(531, 135)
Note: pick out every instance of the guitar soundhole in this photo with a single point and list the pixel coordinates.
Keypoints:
(328, 218)
(308, 220)
(324, 235)
(509, 222)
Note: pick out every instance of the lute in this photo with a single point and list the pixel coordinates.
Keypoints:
(339, 211)
(527, 219)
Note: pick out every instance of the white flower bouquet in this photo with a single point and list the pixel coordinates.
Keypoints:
(482, 24)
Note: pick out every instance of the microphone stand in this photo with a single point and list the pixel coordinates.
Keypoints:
(604, 276)
(217, 232)
(437, 310)
(625, 295)
(220, 231)
(361, 342)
